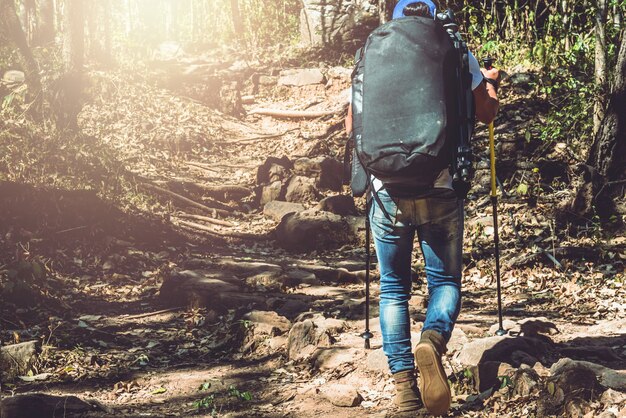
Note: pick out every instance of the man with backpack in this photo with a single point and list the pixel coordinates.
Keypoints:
(415, 92)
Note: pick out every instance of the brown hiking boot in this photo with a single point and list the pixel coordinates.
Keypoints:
(432, 377)
(407, 395)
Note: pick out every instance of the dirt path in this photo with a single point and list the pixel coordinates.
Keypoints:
(113, 333)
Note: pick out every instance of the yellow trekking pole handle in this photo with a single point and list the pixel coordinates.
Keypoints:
(492, 152)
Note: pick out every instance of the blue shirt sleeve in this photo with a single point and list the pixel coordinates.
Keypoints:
(477, 75)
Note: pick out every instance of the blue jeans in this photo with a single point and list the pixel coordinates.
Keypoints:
(438, 221)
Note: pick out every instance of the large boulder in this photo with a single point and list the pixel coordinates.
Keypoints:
(36, 405)
(340, 205)
(268, 322)
(310, 230)
(301, 189)
(311, 332)
(217, 291)
(327, 171)
(609, 378)
(277, 209)
(17, 359)
(301, 77)
(270, 192)
(324, 22)
(342, 395)
(502, 349)
(273, 169)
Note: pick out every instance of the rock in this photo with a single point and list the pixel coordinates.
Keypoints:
(293, 278)
(301, 189)
(267, 80)
(329, 274)
(507, 324)
(306, 231)
(266, 281)
(268, 322)
(303, 338)
(278, 342)
(612, 397)
(377, 361)
(37, 405)
(541, 370)
(277, 209)
(572, 380)
(605, 414)
(331, 325)
(310, 331)
(331, 358)
(356, 225)
(230, 100)
(341, 73)
(486, 375)
(327, 171)
(290, 308)
(247, 267)
(14, 77)
(271, 192)
(471, 329)
(198, 288)
(616, 326)
(500, 348)
(342, 395)
(522, 357)
(340, 205)
(525, 382)
(273, 169)
(609, 378)
(17, 359)
(301, 77)
(577, 408)
(458, 338)
(325, 23)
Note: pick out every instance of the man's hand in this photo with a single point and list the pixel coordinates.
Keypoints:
(492, 73)
(486, 96)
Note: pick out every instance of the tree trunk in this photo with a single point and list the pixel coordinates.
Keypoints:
(74, 36)
(383, 10)
(605, 165)
(13, 28)
(106, 26)
(172, 20)
(91, 17)
(45, 29)
(608, 151)
(28, 15)
(68, 90)
(600, 62)
(237, 20)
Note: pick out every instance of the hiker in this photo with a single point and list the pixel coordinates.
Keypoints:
(436, 215)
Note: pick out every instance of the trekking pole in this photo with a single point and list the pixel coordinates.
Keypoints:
(494, 202)
(367, 334)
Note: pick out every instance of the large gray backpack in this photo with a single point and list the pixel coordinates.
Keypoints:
(412, 107)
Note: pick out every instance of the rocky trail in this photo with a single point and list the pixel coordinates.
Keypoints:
(228, 280)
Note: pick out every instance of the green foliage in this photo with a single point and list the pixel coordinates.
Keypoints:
(206, 403)
(568, 119)
(269, 23)
(236, 393)
(210, 401)
(505, 381)
(205, 386)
